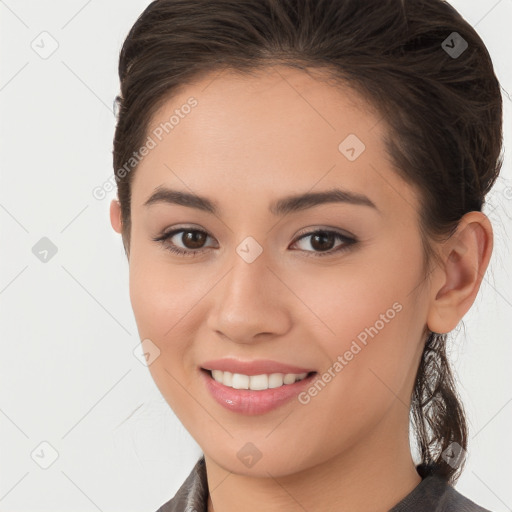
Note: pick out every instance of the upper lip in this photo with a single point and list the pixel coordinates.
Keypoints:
(254, 367)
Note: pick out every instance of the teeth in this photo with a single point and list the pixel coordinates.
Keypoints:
(256, 382)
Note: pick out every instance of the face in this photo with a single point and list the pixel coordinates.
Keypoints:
(332, 285)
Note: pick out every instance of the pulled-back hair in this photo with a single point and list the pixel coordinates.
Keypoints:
(442, 109)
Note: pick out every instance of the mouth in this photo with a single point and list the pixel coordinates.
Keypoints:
(261, 382)
(254, 394)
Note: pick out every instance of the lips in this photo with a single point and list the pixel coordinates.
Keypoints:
(255, 367)
(251, 402)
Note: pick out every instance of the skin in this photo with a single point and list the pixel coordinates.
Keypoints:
(249, 141)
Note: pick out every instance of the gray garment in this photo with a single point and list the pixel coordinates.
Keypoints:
(432, 494)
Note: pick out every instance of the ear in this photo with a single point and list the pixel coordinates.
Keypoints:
(465, 259)
(117, 223)
(115, 215)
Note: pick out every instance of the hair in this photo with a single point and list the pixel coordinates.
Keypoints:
(443, 113)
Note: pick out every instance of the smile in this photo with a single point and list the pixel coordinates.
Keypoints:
(256, 394)
(256, 382)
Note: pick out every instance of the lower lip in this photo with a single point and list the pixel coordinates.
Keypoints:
(247, 401)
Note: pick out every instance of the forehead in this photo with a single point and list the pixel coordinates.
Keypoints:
(279, 130)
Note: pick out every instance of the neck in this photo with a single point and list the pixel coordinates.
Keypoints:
(374, 474)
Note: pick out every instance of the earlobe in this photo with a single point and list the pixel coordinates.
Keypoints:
(466, 257)
(115, 215)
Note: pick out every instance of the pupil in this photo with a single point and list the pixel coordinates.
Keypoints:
(323, 237)
(195, 237)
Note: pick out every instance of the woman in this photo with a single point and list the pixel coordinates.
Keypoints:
(300, 193)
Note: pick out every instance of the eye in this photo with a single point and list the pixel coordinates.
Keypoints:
(323, 240)
(192, 239)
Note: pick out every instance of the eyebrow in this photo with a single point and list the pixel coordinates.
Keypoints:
(281, 207)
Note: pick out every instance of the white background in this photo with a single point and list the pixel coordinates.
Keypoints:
(68, 373)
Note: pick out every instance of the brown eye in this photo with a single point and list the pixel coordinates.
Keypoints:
(190, 243)
(323, 242)
(193, 239)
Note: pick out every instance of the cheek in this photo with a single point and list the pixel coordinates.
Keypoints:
(156, 307)
(370, 329)
(168, 302)
(161, 294)
(367, 291)
(162, 303)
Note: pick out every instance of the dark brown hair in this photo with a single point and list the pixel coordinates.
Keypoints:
(443, 112)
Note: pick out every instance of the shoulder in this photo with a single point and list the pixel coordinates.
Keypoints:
(434, 494)
(192, 496)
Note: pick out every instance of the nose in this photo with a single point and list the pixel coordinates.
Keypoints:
(250, 303)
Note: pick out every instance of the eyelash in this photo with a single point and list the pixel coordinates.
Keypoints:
(348, 241)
